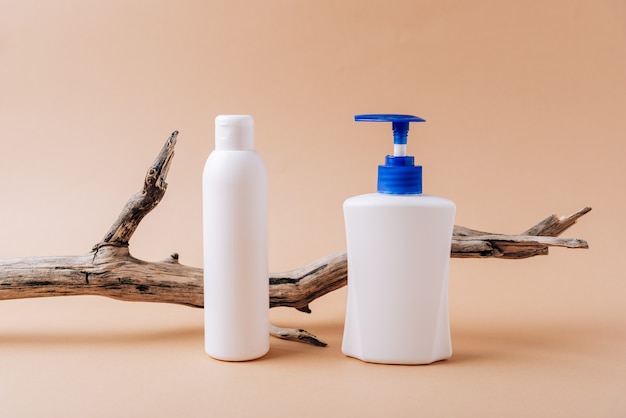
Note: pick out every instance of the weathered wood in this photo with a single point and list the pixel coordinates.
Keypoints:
(141, 203)
(553, 226)
(111, 271)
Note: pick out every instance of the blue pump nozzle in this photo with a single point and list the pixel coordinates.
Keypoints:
(399, 175)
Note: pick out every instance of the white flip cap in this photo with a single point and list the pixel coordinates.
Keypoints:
(234, 132)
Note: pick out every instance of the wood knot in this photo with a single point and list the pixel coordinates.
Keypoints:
(172, 259)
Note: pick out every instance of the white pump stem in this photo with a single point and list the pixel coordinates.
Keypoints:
(399, 150)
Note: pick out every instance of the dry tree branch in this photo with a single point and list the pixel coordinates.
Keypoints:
(140, 204)
(110, 270)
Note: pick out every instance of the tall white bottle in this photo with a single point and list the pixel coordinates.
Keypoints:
(235, 235)
(398, 243)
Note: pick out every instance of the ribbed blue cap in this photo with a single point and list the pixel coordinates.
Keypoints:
(399, 175)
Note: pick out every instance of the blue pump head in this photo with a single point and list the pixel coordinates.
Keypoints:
(399, 175)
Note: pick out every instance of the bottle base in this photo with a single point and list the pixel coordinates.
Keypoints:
(399, 362)
(238, 358)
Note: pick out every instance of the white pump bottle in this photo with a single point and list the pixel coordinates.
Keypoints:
(398, 244)
(235, 237)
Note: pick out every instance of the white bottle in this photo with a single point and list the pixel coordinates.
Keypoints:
(398, 244)
(235, 236)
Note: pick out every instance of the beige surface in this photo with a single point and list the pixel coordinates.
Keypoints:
(524, 102)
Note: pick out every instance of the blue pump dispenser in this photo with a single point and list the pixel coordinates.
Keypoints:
(399, 175)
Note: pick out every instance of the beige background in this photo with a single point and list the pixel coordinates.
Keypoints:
(525, 105)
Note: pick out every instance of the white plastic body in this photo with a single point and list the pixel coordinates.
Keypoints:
(235, 235)
(398, 261)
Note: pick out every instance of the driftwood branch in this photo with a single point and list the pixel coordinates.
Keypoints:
(110, 270)
(141, 203)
